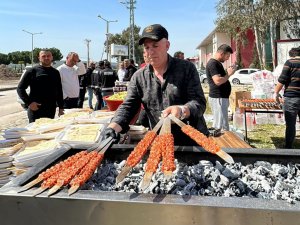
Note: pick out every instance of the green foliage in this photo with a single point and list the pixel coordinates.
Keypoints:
(123, 39)
(4, 59)
(15, 57)
(236, 16)
(55, 53)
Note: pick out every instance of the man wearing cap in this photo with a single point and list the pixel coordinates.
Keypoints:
(165, 86)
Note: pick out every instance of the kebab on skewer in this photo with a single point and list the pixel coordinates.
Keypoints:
(138, 152)
(207, 143)
(162, 148)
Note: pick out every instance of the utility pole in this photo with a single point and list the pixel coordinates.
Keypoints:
(32, 34)
(130, 5)
(107, 32)
(87, 41)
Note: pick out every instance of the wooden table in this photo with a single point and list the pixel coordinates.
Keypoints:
(230, 140)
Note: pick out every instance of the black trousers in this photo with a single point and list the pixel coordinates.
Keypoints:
(82, 92)
(99, 98)
(70, 103)
(46, 110)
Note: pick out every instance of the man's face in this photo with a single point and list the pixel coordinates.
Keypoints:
(224, 56)
(156, 51)
(45, 58)
(72, 59)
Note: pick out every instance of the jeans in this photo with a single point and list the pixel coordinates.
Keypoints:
(90, 96)
(291, 108)
(219, 108)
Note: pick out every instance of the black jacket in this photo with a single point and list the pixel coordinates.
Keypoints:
(129, 71)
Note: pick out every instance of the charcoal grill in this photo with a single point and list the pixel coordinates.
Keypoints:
(95, 207)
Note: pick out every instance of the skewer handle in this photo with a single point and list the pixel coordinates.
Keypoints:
(158, 125)
(176, 120)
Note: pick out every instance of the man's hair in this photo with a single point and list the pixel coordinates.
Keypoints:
(131, 61)
(224, 49)
(176, 54)
(294, 52)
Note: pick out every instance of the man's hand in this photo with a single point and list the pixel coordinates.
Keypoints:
(34, 106)
(278, 98)
(181, 112)
(230, 70)
(109, 132)
(61, 112)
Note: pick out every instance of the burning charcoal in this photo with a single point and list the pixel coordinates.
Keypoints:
(180, 183)
(189, 187)
(230, 174)
(215, 175)
(110, 180)
(279, 169)
(224, 181)
(266, 185)
(205, 163)
(219, 166)
(263, 164)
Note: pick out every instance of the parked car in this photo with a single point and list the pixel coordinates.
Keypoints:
(242, 76)
(203, 79)
(202, 75)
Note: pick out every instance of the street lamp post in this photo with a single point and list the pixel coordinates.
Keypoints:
(107, 32)
(87, 41)
(32, 34)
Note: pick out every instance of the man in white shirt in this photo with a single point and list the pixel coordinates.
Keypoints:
(69, 73)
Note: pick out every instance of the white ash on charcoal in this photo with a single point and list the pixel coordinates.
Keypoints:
(260, 180)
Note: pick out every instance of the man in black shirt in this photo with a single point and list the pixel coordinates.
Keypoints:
(129, 70)
(290, 79)
(45, 89)
(165, 86)
(219, 86)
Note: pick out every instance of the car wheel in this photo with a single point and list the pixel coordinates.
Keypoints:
(235, 81)
(205, 81)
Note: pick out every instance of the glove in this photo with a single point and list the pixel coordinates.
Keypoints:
(109, 132)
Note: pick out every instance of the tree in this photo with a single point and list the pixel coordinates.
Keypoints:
(123, 39)
(4, 59)
(55, 53)
(16, 57)
(260, 15)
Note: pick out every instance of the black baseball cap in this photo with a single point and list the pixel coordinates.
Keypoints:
(155, 32)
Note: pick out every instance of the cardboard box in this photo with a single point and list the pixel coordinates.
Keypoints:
(236, 96)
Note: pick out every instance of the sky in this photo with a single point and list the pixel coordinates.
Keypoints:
(66, 24)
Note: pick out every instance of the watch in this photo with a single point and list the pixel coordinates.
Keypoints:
(183, 112)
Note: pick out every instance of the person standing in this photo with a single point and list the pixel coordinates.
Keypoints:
(69, 73)
(165, 86)
(290, 79)
(121, 71)
(96, 84)
(129, 70)
(219, 86)
(179, 55)
(45, 89)
(85, 85)
(108, 77)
